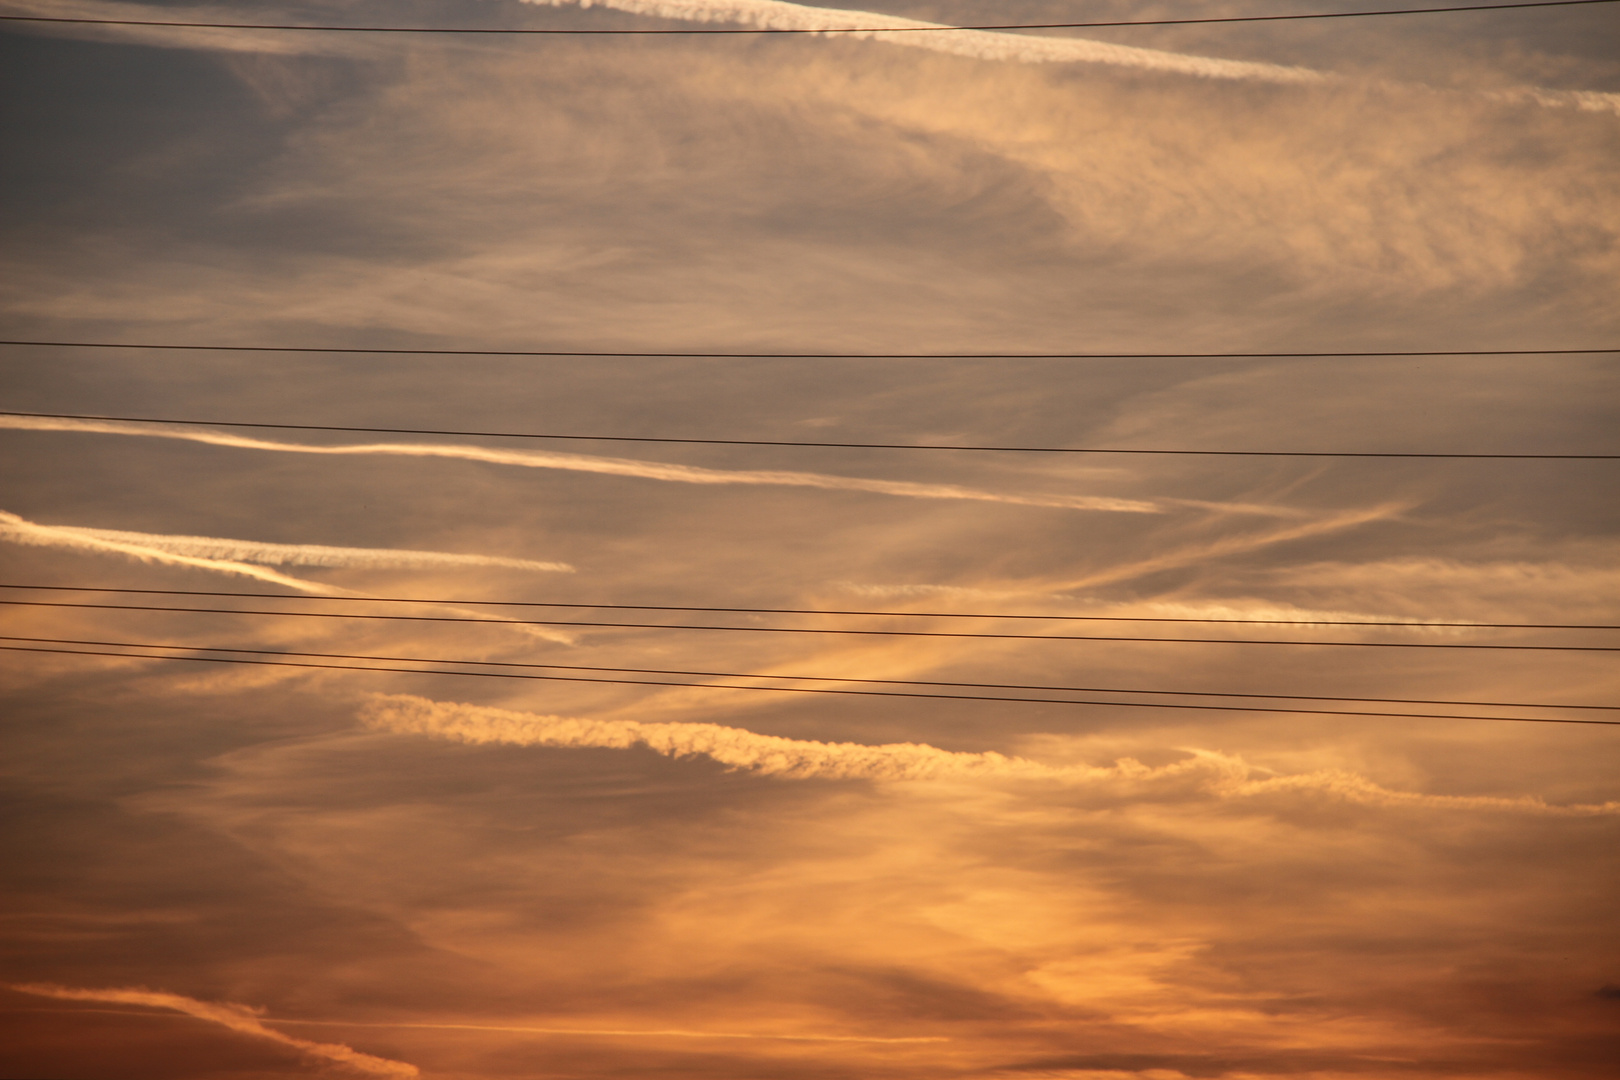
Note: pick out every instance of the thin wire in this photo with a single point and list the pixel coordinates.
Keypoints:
(838, 30)
(805, 630)
(814, 356)
(716, 686)
(820, 611)
(797, 443)
(847, 679)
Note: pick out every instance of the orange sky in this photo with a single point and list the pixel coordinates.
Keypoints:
(221, 871)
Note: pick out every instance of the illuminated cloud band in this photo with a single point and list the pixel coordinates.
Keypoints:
(242, 1019)
(1220, 775)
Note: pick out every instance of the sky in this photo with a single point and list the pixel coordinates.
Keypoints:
(1118, 855)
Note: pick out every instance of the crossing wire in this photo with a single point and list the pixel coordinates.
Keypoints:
(836, 30)
(680, 355)
(804, 443)
(1410, 624)
(502, 620)
(41, 646)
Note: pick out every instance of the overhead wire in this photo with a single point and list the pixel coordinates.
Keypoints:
(1408, 624)
(804, 630)
(644, 32)
(688, 355)
(41, 644)
(814, 444)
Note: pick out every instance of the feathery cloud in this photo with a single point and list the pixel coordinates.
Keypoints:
(254, 551)
(545, 459)
(978, 44)
(239, 1018)
(767, 755)
(19, 530)
(1022, 48)
(1220, 775)
(201, 553)
(1232, 545)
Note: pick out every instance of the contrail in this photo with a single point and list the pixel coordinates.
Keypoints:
(978, 44)
(252, 551)
(19, 530)
(202, 553)
(544, 459)
(1221, 775)
(766, 15)
(680, 1033)
(768, 755)
(1231, 545)
(1024, 48)
(239, 1018)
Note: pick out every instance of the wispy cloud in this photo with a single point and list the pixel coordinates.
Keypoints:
(767, 755)
(1220, 775)
(978, 44)
(764, 14)
(1231, 545)
(214, 548)
(239, 1018)
(19, 530)
(645, 470)
(1235, 608)
(648, 1033)
(1022, 48)
(205, 553)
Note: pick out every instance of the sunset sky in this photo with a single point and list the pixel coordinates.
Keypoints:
(1115, 857)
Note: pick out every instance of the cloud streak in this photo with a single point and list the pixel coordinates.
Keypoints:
(763, 14)
(205, 553)
(19, 530)
(242, 1019)
(650, 1033)
(977, 44)
(1231, 545)
(213, 549)
(1023, 48)
(1221, 775)
(644, 470)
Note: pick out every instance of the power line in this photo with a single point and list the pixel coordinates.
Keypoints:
(712, 686)
(804, 630)
(802, 443)
(850, 679)
(578, 353)
(821, 611)
(836, 30)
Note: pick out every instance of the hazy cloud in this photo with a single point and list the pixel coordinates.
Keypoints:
(238, 1018)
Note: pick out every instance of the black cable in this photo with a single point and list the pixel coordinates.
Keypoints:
(814, 356)
(839, 30)
(709, 686)
(795, 443)
(805, 630)
(816, 611)
(848, 679)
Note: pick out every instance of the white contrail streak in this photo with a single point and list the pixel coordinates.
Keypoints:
(19, 530)
(764, 14)
(265, 554)
(978, 44)
(239, 1018)
(1023, 48)
(202, 553)
(679, 1033)
(1220, 775)
(1231, 545)
(545, 459)
(767, 755)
